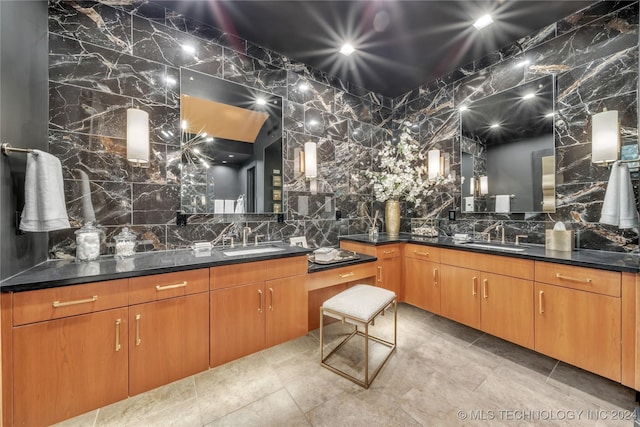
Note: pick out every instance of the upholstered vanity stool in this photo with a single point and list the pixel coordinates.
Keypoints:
(359, 305)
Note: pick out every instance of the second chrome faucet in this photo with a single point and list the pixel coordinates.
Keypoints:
(245, 232)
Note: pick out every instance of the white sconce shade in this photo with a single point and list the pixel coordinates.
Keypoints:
(484, 185)
(137, 136)
(433, 163)
(605, 137)
(472, 186)
(310, 160)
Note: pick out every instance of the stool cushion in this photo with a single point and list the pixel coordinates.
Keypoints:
(361, 302)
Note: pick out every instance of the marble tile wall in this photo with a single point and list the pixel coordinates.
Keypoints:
(594, 55)
(107, 57)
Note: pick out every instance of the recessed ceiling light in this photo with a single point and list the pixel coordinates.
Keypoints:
(495, 125)
(483, 21)
(347, 49)
(209, 139)
(184, 124)
(261, 101)
(463, 108)
(549, 115)
(231, 156)
(529, 96)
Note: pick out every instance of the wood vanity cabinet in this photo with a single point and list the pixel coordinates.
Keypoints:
(578, 317)
(489, 292)
(65, 351)
(256, 305)
(168, 328)
(422, 276)
(388, 266)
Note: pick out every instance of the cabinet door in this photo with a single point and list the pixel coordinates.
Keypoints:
(578, 327)
(506, 308)
(460, 295)
(286, 309)
(65, 367)
(237, 322)
(421, 284)
(168, 340)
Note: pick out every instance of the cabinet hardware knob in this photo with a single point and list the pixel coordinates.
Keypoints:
(421, 253)
(57, 304)
(259, 301)
(573, 279)
(379, 273)
(271, 294)
(435, 277)
(484, 288)
(388, 252)
(475, 286)
(540, 307)
(349, 274)
(177, 285)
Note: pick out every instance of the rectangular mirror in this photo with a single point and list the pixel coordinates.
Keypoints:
(231, 143)
(508, 150)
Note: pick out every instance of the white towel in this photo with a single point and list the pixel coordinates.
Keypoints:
(468, 203)
(229, 206)
(218, 206)
(44, 206)
(503, 203)
(619, 206)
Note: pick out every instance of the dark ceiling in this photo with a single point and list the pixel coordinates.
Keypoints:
(400, 44)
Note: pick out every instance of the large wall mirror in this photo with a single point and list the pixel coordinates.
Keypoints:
(231, 142)
(508, 150)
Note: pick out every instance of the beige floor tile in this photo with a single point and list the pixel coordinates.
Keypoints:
(236, 384)
(276, 409)
(84, 420)
(185, 414)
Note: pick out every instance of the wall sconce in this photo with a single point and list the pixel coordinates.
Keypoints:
(308, 160)
(138, 137)
(433, 163)
(484, 184)
(605, 138)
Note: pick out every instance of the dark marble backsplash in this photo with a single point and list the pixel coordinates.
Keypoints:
(107, 57)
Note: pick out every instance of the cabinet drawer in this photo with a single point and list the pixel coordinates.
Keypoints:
(167, 285)
(388, 251)
(258, 271)
(323, 279)
(427, 253)
(361, 248)
(506, 266)
(64, 301)
(582, 278)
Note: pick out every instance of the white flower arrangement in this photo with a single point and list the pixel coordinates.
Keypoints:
(403, 171)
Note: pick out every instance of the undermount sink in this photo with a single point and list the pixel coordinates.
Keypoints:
(495, 247)
(252, 251)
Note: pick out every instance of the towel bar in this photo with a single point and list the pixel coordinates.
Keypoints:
(513, 196)
(7, 149)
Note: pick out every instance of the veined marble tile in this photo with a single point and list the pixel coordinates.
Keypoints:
(187, 24)
(351, 106)
(111, 202)
(252, 72)
(93, 22)
(324, 124)
(82, 64)
(309, 93)
(590, 14)
(155, 204)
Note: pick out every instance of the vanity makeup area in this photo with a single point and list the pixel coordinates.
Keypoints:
(122, 323)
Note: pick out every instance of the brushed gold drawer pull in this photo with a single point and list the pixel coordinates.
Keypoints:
(421, 253)
(573, 279)
(379, 273)
(271, 294)
(475, 286)
(484, 288)
(118, 322)
(138, 340)
(177, 285)
(259, 301)
(57, 304)
(540, 308)
(388, 252)
(435, 277)
(351, 273)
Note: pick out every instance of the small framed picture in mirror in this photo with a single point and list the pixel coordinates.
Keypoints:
(277, 194)
(298, 241)
(277, 208)
(277, 180)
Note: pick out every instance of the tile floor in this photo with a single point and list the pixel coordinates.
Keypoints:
(442, 374)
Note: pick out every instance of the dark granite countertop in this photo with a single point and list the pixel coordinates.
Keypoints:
(613, 261)
(54, 273)
(362, 258)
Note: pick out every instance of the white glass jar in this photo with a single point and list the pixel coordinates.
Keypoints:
(88, 243)
(125, 243)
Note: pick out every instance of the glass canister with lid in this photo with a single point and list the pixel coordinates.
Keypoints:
(125, 243)
(88, 240)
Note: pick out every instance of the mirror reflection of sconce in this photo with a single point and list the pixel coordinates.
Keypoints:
(138, 137)
(479, 185)
(605, 138)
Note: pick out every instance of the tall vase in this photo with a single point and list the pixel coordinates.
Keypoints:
(392, 217)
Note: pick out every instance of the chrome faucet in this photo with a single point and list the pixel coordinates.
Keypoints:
(501, 228)
(518, 237)
(245, 232)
